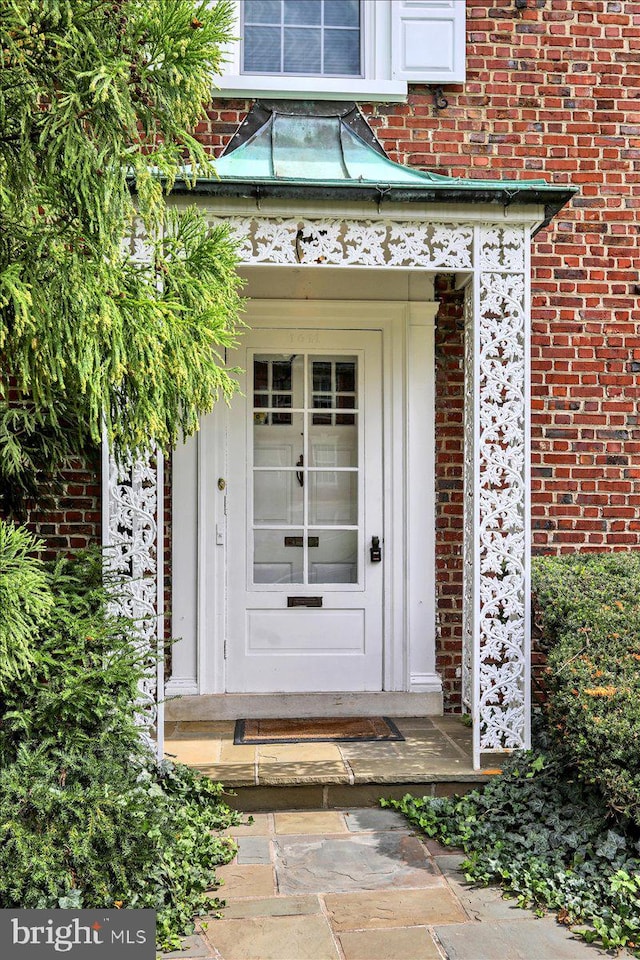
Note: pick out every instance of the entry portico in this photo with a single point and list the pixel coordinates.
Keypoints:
(279, 587)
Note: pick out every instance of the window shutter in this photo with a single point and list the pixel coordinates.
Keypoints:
(428, 40)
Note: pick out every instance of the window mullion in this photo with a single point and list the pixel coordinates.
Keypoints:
(282, 36)
(259, 38)
(306, 402)
(322, 38)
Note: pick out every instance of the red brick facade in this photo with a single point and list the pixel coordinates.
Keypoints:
(72, 518)
(449, 457)
(552, 91)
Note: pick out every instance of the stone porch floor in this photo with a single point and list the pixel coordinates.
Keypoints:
(435, 758)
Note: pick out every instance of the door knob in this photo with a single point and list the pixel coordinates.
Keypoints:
(376, 550)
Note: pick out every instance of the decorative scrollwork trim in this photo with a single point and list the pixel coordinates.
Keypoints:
(134, 555)
(500, 602)
(343, 242)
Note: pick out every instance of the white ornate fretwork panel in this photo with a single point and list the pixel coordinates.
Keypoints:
(499, 396)
(468, 519)
(362, 243)
(132, 537)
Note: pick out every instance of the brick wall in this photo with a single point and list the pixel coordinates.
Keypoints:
(71, 519)
(449, 459)
(552, 91)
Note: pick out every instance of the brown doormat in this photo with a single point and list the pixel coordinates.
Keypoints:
(316, 730)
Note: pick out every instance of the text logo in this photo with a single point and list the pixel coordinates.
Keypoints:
(78, 934)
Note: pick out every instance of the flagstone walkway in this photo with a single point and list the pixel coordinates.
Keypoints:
(360, 884)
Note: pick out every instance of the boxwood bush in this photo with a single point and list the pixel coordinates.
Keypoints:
(587, 608)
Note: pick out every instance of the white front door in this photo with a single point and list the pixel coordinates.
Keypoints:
(304, 502)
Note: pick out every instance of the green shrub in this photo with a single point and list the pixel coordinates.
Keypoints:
(549, 840)
(87, 818)
(588, 610)
(25, 601)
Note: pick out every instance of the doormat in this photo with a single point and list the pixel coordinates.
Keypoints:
(317, 730)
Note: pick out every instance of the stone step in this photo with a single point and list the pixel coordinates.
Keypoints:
(230, 706)
(336, 796)
(433, 759)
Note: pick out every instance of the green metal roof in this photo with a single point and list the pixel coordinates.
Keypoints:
(314, 150)
(327, 151)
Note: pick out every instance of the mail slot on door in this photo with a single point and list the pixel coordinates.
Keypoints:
(304, 601)
(299, 541)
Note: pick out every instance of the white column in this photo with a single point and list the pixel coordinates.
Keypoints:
(420, 497)
(499, 610)
(184, 570)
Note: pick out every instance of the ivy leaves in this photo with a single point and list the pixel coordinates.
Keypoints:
(548, 840)
(559, 830)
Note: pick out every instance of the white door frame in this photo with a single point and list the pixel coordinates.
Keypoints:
(409, 523)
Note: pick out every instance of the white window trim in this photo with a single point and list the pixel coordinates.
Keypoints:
(376, 84)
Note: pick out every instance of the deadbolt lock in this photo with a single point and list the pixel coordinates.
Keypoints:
(376, 550)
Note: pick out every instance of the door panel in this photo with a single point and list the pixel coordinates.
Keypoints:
(284, 631)
(304, 499)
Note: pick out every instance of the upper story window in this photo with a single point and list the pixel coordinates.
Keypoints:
(344, 49)
(302, 37)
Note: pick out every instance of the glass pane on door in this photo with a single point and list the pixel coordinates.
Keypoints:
(306, 474)
(278, 557)
(333, 497)
(333, 387)
(334, 558)
(279, 444)
(333, 445)
(277, 498)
